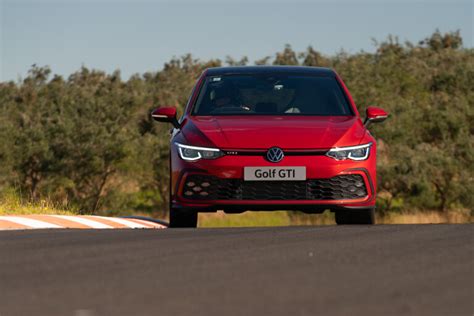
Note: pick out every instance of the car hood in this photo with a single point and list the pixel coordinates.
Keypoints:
(263, 132)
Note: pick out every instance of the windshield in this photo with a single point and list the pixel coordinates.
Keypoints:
(271, 94)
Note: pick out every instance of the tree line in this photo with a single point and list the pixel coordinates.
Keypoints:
(87, 142)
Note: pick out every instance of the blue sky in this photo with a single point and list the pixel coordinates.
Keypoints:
(139, 36)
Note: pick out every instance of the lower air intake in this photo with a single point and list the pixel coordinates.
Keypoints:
(204, 187)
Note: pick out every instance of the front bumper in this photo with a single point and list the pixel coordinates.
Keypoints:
(330, 184)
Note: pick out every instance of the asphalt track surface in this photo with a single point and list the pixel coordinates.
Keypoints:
(325, 270)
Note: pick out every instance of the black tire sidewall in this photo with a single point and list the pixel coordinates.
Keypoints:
(183, 218)
(356, 217)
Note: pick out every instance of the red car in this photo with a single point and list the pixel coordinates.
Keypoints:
(271, 138)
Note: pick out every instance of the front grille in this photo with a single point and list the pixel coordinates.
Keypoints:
(204, 187)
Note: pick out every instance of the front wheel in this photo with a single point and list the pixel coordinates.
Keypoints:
(183, 218)
(356, 217)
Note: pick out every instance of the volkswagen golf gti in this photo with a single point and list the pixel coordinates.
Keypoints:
(271, 138)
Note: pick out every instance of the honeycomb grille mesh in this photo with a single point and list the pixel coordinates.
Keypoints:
(204, 187)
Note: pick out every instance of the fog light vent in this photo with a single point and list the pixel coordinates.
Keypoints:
(205, 184)
(190, 184)
(197, 189)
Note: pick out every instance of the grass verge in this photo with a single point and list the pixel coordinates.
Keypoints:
(283, 218)
(11, 204)
(247, 219)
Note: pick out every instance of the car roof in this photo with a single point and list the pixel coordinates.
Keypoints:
(318, 71)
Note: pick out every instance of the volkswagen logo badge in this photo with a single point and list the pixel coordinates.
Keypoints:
(275, 154)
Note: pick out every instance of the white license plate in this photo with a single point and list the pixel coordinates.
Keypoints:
(274, 173)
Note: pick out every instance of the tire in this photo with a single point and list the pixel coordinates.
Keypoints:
(183, 219)
(356, 217)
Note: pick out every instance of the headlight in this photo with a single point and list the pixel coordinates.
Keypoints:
(360, 152)
(193, 153)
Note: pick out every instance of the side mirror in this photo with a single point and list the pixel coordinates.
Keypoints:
(374, 115)
(165, 114)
